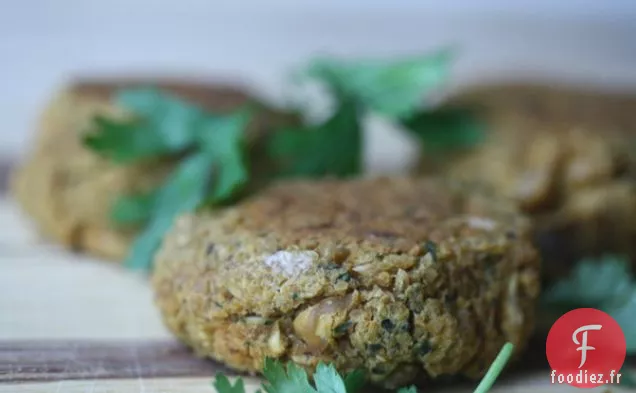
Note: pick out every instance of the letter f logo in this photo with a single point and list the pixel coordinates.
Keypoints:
(584, 347)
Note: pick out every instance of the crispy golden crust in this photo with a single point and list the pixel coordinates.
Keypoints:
(68, 190)
(401, 277)
(566, 157)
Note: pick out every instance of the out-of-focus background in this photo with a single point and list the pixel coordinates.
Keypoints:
(45, 42)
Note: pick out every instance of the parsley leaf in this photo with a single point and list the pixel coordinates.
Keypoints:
(279, 380)
(133, 209)
(354, 381)
(625, 314)
(395, 90)
(327, 380)
(184, 191)
(211, 169)
(222, 385)
(607, 285)
(223, 139)
(171, 118)
(391, 89)
(162, 124)
(592, 283)
(122, 141)
(444, 129)
(331, 148)
(628, 378)
(213, 174)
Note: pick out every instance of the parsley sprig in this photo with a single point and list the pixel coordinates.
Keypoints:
(163, 124)
(209, 149)
(606, 284)
(330, 148)
(293, 379)
(395, 90)
(212, 167)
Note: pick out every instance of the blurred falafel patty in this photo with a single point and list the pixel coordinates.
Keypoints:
(566, 156)
(69, 190)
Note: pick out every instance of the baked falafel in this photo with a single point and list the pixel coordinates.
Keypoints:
(400, 277)
(69, 190)
(566, 156)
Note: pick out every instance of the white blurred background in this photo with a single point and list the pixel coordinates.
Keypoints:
(44, 42)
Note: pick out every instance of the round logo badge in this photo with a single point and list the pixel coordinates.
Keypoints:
(586, 348)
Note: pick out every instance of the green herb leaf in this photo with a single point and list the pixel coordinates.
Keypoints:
(331, 148)
(223, 138)
(293, 380)
(212, 174)
(592, 283)
(392, 89)
(222, 385)
(170, 117)
(133, 209)
(163, 124)
(625, 314)
(184, 191)
(328, 380)
(628, 378)
(607, 285)
(123, 141)
(446, 129)
(354, 381)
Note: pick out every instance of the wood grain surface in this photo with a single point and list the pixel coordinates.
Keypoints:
(22, 361)
(73, 324)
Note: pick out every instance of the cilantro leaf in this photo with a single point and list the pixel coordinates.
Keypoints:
(162, 124)
(222, 385)
(331, 148)
(607, 285)
(223, 139)
(133, 209)
(182, 192)
(392, 89)
(444, 129)
(279, 380)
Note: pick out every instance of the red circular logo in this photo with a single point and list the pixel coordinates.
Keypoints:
(586, 348)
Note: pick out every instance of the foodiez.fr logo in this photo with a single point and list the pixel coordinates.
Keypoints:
(586, 348)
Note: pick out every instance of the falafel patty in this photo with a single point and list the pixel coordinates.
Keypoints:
(401, 277)
(69, 190)
(566, 157)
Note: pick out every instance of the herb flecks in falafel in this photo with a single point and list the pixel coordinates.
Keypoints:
(392, 319)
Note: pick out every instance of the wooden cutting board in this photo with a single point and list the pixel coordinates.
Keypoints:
(73, 324)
